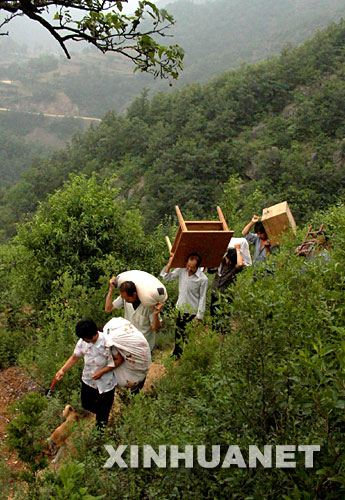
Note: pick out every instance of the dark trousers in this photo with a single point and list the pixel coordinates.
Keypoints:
(180, 332)
(97, 403)
(213, 307)
(137, 388)
(217, 316)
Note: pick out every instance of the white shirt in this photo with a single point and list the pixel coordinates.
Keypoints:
(96, 356)
(141, 317)
(192, 290)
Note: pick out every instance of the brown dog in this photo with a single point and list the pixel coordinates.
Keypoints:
(57, 441)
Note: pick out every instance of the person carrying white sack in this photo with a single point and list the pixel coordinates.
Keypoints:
(124, 338)
(142, 296)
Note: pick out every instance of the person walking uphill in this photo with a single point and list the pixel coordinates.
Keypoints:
(143, 318)
(98, 378)
(260, 240)
(191, 298)
(231, 265)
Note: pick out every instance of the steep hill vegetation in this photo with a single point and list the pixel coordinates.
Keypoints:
(217, 36)
(250, 137)
(275, 378)
(278, 125)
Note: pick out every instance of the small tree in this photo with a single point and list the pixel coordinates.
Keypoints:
(24, 436)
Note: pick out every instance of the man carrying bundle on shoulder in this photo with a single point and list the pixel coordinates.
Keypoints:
(144, 317)
(122, 337)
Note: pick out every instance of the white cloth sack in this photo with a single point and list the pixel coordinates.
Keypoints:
(149, 289)
(244, 249)
(133, 347)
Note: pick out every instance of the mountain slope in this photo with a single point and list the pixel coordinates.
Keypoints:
(277, 125)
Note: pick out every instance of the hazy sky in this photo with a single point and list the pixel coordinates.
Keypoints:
(130, 6)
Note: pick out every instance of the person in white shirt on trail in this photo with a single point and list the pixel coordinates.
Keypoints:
(144, 318)
(191, 299)
(98, 378)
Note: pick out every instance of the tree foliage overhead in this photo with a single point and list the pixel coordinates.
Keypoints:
(102, 24)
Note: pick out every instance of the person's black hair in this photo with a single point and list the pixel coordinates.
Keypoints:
(86, 329)
(128, 287)
(259, 227)
(194, 256)
(231, 254)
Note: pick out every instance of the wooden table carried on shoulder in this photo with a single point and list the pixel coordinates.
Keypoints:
(209, 239)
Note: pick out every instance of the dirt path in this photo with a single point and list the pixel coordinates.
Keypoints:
(14, 384)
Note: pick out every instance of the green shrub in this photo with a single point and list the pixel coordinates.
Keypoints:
(12, 343)
(24, 436)
(69, 484)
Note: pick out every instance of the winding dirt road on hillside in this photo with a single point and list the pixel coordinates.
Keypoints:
(51, 115)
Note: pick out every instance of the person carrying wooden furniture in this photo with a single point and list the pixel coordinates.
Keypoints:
(191, 299)
(262, 245)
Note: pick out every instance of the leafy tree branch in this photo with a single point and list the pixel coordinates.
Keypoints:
(102, 24)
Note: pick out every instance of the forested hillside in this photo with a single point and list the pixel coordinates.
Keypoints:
(217, 36)
(278, 125)
(271, 371)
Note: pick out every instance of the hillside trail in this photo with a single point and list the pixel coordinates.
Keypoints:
(14, 384)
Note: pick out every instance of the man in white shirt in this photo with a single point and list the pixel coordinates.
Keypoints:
(146, 320)
(98, 378)
(191, 299)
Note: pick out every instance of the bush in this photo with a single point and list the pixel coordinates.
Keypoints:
(12, 343)
(24, 436)
(74, 231)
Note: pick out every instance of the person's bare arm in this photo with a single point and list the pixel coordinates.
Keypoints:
(248, 227)
(72, 360)
(239, 264)
(99, 373)
(157, 324)
(118, 359)
(267, 245)
(109, 300)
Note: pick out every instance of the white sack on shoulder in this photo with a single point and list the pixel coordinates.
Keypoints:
(247, 260)
(133, 347)
(150, 290)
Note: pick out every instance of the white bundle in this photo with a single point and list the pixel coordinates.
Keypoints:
(149, 289)
(133, 347)
(244, 249)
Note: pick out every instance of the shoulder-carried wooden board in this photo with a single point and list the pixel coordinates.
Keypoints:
(209, 239)
(277, 220)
